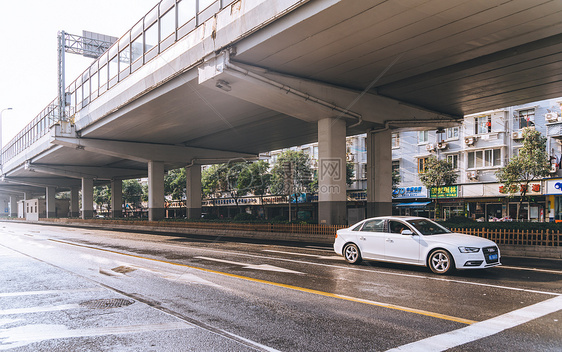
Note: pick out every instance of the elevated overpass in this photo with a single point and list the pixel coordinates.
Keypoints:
(199, 82)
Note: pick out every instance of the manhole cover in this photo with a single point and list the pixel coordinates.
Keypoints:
(107, 303)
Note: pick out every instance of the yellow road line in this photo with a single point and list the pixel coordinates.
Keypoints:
(291, 287)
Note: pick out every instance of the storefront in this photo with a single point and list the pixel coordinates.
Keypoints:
(488, 202)
(448, 201)
(553, 191)
(411, 201)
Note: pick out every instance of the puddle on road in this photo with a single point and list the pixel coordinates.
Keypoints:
(123, 269)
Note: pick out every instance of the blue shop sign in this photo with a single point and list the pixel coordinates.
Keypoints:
(410, 192)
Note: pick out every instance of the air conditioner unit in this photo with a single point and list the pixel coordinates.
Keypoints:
(442, 145)
(551, 117)
(472, 175)
(430, 147)
(469, 140)
(517, 135)
(553, 168)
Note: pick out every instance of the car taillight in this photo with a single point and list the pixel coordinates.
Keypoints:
(336, 235)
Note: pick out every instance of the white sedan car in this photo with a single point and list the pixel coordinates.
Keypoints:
(415, 240)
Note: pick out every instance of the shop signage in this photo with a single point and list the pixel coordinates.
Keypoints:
(410, 192)
(533, 187)
(554, 186)
(444, 192)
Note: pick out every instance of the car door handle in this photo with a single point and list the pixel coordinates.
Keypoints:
(362, 238)
(389, 240)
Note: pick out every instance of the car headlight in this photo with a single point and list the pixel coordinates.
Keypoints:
(464, 249)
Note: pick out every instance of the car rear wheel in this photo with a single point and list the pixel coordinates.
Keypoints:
(351, 254)
(441, 262)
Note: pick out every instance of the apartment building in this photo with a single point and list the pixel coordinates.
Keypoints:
(477, 149)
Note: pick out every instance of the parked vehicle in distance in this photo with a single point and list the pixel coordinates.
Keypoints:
(417, 241)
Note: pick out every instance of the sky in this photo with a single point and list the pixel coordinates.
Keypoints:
(28, 52)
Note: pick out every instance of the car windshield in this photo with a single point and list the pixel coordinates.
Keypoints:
(427, 227)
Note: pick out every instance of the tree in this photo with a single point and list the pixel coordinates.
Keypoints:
(395, 179)
(299, 175)
(292, 175)
(224, 178)
(438, 174)
(255, 179)
(349, 173)
(228, 177)
(210, 181)
(102, 195)
(132, 192)
(144, 192)
(531, 163)
(175, 183)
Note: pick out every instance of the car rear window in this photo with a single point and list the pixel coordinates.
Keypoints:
(374, 226)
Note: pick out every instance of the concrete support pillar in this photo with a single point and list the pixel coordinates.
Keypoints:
(87, 198)
(156, 209)
(116, 198)
(193, 191)
(4, 205)
(379, 173)
(13, 206)
(50, 206)
(74, 202)
(332, 198)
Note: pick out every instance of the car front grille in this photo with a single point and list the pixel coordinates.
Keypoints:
(490, 251)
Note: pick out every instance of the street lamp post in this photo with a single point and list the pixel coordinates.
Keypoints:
(1, 145)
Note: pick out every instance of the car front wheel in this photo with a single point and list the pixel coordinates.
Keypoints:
(351, 254)
(441, 262)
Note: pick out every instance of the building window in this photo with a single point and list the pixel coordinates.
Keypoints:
(395, 140)
(453, 159)
(423, 137)
(363, 146)
(484, 158)
(525, 118)
(482, 124)
(395, 168)
(421, 165)
(453, 133)
(363, 171)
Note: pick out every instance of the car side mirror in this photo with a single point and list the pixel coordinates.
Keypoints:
(407, 232)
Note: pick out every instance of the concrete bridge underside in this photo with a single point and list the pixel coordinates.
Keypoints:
(258, 77)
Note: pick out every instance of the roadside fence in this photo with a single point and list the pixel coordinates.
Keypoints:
(542, 238)
(546, 238)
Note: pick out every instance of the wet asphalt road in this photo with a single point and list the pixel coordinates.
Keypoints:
(75, 289)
